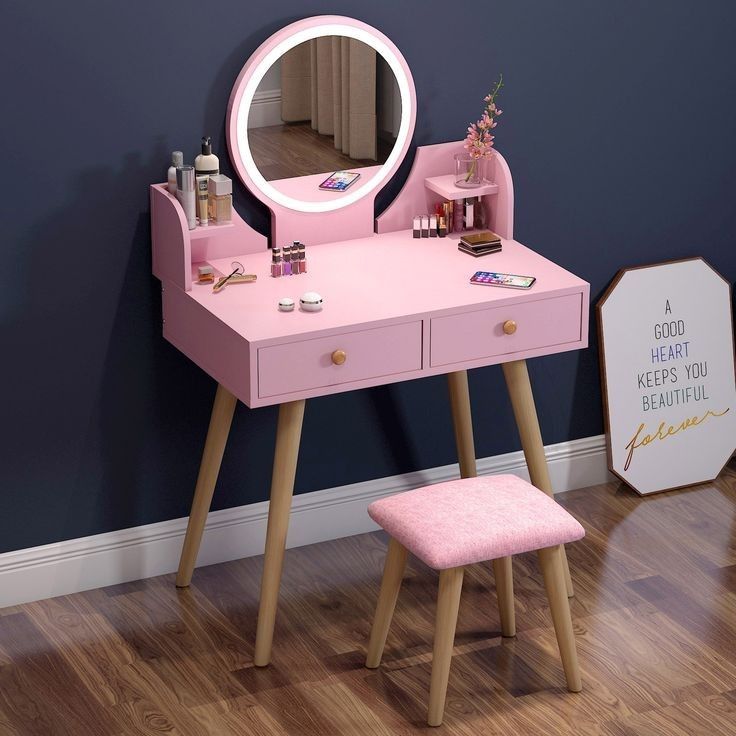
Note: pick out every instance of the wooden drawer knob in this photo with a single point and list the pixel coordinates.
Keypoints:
(509, 327)
(339, 357)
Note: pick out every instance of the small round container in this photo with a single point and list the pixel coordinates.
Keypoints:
(311, 301)
(286, 304)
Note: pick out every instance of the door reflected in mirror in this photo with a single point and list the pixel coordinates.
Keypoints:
(329, 104)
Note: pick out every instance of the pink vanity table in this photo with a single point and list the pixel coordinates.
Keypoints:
(395, 308)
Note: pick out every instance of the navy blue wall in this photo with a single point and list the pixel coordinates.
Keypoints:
(619, 128)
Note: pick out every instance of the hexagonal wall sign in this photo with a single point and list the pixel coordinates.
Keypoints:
(667, 366)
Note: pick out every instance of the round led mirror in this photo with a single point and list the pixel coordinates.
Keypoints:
(321, 115)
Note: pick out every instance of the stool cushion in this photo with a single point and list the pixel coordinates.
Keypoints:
(474, 519)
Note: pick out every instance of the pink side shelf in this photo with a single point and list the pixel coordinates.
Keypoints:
(445, 186)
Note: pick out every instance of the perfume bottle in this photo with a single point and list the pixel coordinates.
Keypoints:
(220, 198)
(276, 263)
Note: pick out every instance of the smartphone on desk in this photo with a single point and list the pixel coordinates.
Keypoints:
(508, 280)
(339, 181)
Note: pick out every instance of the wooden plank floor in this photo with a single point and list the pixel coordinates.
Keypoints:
(283, 151)
(654, 615)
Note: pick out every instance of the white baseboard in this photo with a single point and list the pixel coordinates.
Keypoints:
(132, 554)
(265, 109)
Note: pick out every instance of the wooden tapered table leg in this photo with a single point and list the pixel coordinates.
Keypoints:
(288, 435)
(463, 423)
(214, 447)
(522, 401)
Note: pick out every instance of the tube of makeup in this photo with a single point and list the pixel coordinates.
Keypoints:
(186, 195)
(202, 200)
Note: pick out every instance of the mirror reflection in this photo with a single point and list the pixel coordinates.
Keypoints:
(329, 104)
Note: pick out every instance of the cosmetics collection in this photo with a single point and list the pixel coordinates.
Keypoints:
(453, 216)
(205, 194)
(293, 261)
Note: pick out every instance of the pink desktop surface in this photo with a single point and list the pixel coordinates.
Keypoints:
(383, 278)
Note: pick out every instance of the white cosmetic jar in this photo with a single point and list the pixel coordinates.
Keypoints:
(311, 301)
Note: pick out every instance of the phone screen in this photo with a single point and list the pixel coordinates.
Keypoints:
(510, 280)
(339, 181)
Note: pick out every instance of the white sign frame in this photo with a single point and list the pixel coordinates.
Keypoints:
(668, 374)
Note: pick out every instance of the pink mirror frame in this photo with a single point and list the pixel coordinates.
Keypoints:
(309, 221)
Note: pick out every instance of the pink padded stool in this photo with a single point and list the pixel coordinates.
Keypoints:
(461, 522)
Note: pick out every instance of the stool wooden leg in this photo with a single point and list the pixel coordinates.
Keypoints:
(288, 435)
(505, 594)
(550, 560)
(393, 572)
(448, 602)
(214, 447)
(525, 413)
(463, 423)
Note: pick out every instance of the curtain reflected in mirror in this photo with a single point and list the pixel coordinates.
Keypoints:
(329, 104)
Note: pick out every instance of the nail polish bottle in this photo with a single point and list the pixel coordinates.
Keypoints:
(294, 260)
(302, 258)
(287, 271)
(276, 263)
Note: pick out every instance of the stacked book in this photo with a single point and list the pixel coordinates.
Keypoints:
(480, 244)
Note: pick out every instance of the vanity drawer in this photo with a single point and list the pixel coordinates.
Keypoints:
(330, 361)
(509, 329)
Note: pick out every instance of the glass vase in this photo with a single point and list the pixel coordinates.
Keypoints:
(469, 171)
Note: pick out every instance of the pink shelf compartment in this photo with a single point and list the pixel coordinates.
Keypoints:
(445, 186)
(176, 248)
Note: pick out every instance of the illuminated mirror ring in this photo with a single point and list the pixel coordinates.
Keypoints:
(405, 85)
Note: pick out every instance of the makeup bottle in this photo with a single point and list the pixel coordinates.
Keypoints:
(287, 261)
(202, 201)
(458, 210)
(206, 163)
(447, 214)
(177, 160)
(276, 263)
(186, 195)
(220, 198)
(442, 227)
(469, 213)
(433, 226)
(294, 250)
(302, 258)
(480, 221)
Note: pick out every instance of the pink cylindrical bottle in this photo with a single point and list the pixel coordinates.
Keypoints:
(287, 270)
(302, 258)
